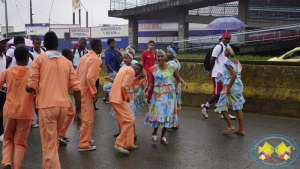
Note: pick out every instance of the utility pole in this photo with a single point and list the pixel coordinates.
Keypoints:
(87, 19)
(31, 21)
(73, 18)
(79, 17)
(6, 20)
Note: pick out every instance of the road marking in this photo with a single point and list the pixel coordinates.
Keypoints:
(249, 114)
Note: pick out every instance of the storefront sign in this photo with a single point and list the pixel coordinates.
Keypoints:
(80, 32)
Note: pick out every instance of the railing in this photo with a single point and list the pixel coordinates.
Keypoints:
(280, 33)
(226, 9)
(274, 12)
(127, 4)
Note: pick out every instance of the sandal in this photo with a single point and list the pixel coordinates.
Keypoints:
(238, 132)
(164, 141)
(153, 139)
(228, 129)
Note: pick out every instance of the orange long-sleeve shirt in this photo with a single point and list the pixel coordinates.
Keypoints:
(19, 103)
(88, 72)
(122, 82)
(51, 78)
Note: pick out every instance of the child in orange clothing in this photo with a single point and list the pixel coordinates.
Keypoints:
(18, 111)
(66, 52)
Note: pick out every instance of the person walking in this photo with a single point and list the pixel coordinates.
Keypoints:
(216, 63)
(232, 93)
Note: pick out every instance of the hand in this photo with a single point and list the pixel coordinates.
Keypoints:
(141, 76)
(78, 120)
(185, 85)
(136, 89)
(228, 91)
(128, 100)
(95, 98)
(107, 78)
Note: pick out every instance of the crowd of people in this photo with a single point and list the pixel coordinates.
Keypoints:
(37, 81)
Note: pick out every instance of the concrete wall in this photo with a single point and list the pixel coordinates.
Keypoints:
(269, 89)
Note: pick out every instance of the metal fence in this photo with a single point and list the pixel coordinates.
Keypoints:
(266, 35)
(274, 12)
(127, 4)
(226, 9)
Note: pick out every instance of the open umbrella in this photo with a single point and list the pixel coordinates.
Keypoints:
(28, 42)
(226, 23)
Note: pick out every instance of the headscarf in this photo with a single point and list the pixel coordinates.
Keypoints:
(160, 51)
(132, 50)
(172, 50)
(129, 54)
(230, 50)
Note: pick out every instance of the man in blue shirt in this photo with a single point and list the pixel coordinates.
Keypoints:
(110, 62)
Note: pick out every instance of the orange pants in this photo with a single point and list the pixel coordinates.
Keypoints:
(15, 135)
(126, 121)
(68, 121)
(88, 114)
(52, 121)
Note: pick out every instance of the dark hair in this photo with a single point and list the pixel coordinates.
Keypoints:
(95, 43)
(82, 39)
(66, 51)
(50, 41)
(110, 40)
(175, 49)
(235, 49)
(140, 66)
(37, 39)
(21, 53)
(151, 41)
(18, 39)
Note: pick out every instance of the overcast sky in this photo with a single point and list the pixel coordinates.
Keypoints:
(18, 13)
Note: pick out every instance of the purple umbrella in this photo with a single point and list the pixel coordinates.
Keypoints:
(226, 23)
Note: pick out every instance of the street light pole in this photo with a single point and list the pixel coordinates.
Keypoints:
(31, 21)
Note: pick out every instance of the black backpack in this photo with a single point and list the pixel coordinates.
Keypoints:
(208, 57)
(119, 58)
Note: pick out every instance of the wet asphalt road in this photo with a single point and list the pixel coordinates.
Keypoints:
(198, 143)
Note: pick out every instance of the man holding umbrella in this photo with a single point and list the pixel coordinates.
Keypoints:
(10, 57)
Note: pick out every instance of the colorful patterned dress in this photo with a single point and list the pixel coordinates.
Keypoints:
(235, 100)
(162, 111)
(131, 93)
(141, 101)
(178, 96)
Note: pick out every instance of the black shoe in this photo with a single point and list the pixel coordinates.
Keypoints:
(7, 167)
(96, 108)
(66, 139)
(135, 138)
(116, 135)
(61, 140)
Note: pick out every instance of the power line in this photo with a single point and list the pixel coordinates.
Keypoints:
(17, 12)
(44, 14)
(51, 10)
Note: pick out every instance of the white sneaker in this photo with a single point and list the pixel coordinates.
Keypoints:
(91, 148)
(34, 125)
(204, 110)
(230, 116)
(1, 138)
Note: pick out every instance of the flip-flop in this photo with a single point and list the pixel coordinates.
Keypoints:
(228, 129)
(239, 133)
(164, 141)
(153, 139)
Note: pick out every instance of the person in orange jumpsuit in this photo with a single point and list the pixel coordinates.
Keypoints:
(50, 76)
(66, 52)
(18, 110)
(87, 73)
(119, 100)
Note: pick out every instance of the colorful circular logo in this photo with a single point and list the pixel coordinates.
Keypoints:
(274, 151)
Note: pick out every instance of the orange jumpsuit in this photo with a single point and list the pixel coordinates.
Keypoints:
(118, 100)
(87, 73)
(68, 121)
(50, 78)
(18, 111)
